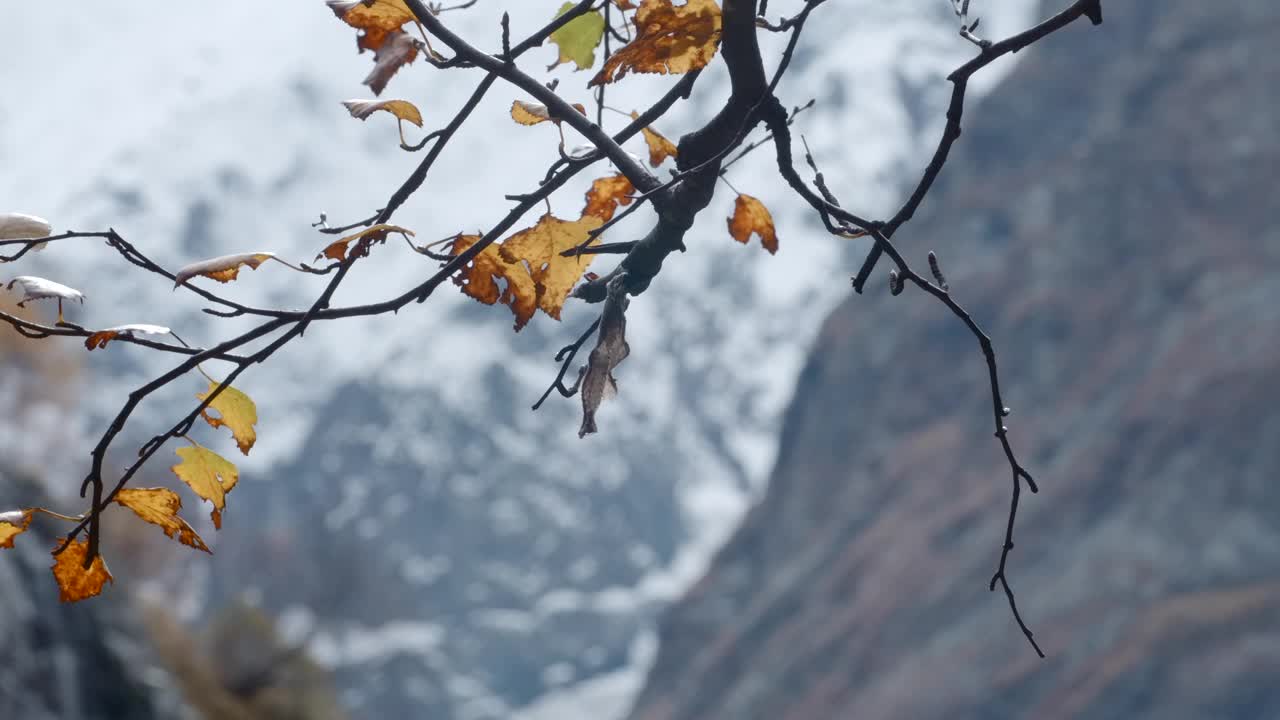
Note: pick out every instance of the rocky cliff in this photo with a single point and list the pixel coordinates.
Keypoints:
(1108, 218)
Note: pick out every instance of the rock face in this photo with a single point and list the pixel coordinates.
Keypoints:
(65, 662)
(1108, 218)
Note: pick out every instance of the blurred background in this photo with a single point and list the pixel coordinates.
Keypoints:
(794, 504)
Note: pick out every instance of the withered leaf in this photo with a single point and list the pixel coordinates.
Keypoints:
(751, 216)
(13, 524)
(480, 280)
(75, 581)
(160, 506)
(21, 226)
(399, 50)
(224, 269)
(606, 195)
(367, 238)
(401, 109)
(527, 113)
(236, 411)
(660, 148)
(376, 20)
(99, 339)
(540, 246)
(209, 474)
(611, 349)
(669, 39)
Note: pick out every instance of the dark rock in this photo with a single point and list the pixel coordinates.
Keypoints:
(1108, 217)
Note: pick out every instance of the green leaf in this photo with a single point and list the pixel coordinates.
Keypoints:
(579, 38)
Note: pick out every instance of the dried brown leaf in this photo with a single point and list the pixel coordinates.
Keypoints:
(611, 349)
(75, 581)
(669, 39)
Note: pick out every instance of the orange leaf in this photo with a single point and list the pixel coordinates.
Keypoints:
(160, 506)
(376, 20)
(13, 524)
(75, 581)
(479, 280)
(669, 39)
(660, 148)
(99, 339)
(540, 247)
(751, 216)
(606, 195)
(337, 250)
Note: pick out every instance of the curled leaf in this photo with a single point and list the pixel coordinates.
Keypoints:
(20, 226)
(660, 148)
(13, 524)
(578, 38)
(527, 113)
(751, 216)
(399, 50)
(337, 250)
(480, 280)
(37, 288)
(209, 474)
(160, 506)
(223, 269)
(669, 39)
(236, 411)
(611, 348)
(401, 109)
(75, 581)
(100, 338)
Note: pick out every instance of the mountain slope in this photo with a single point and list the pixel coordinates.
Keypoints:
(1107, 218)
(445, 548)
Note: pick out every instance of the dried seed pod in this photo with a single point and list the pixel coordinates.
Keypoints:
(896, 283)
(937, 272)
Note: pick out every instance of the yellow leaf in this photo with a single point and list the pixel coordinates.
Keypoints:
(209, 474)
(540, 246)
(160, 506)
(660, 148)
(224, 268)
(237, 412)
(13, 524)
(337, 250)
(479, 280)
(402, 109)
(751, 216)
(668, 39)
(75, 582)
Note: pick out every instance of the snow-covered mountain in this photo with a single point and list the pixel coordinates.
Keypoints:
(442, 546)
